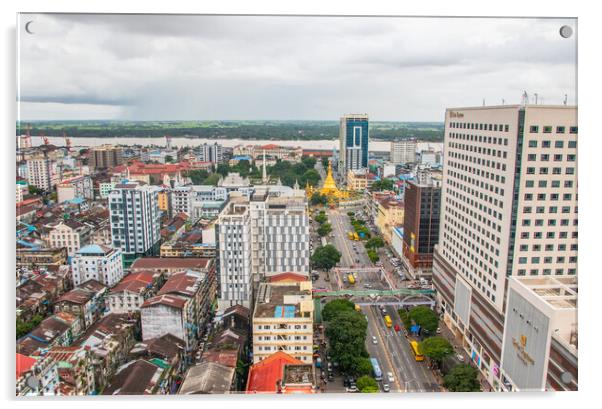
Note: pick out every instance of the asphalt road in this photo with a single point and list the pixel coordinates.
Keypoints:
(392, 349)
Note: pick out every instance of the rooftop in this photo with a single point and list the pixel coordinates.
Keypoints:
(136, 282)
(185, 283)
(207, 377)
(282, 301)
(158, 263)
(94, 250)
(265, 375)
(135, 378)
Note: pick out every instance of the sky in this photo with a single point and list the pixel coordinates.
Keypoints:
(175, 67)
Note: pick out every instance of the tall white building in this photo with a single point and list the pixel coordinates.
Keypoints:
(353, 143)
(95, 262)
(40, 173)
(190, 199)
(509, 207)
(257, 237)
(209, 152)
(403, 151)
(135, 219)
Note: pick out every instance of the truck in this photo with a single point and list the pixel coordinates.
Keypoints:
(351, 278)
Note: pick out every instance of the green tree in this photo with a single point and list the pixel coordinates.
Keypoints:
(383, 184)
(362, 366)
(367, 384)
(318, 199)
(321, 218)
(426, 318)
(373, 255)
(325, 162)
(436, 348)
(462, 378)
(375, 242)
(212, 179)
(324, 229)
(223, 169)
(33, 190)
(310, 176)
(405, 318)
(198, 176)
(309, 161)
(326, 257)
(332, 308)
(168, 159)
(346, 333)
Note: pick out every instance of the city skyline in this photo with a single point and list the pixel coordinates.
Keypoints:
(176, 67)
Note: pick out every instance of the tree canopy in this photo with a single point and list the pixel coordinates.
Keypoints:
(326, 257)
(321, 217)
(436, 348)
(318, 199)
(346, 331)
(334, 307)
(462, 378)
(383, 184)
(374, 243)
(324, 229)
(367, 384)
(426, 318)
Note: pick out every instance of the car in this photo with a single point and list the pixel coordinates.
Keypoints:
(367, 285)
(397, 328)
(374, 340)
(352, 388)
(386, 387)
(390, 377)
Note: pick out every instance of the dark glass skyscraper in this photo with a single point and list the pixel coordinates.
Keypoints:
(353, 139)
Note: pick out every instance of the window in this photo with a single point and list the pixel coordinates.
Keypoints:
(529, 183)
(573, 129)
(531, 157)
(546, 144)
(557, 158)
(532, 144)
(543, 171)
(527, 209)
(570, 171)
(560, 129)
(572, 144)
(534, 129)
(545, 157)
(522, 260)
(547, 129)
(542, 183)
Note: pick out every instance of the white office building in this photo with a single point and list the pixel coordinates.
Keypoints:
(403, 151)
(40, 173)
(100, 263)
(263, 235)
(135, 219)
(509, 208)
(209, 152)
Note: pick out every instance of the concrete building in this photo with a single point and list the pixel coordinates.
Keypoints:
(281, 373)
(403, 151)
(40, 173)
(263, 235)
(41, 258)
(70, 234)
(86, 301)
(422, 204)
(539, 348)
(96, 262)
(75, 188)
(131, 292)
(389, 214)
(509, 208)
(428, 157)
(105, 157)
(135, 220)
(181, 308)
(357, 179)
(105, 188)
(209, 152)
(36, 376)
(195, 200)
(353, 143)
(283, 320)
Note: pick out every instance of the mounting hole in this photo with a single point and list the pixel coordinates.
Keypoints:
(566, 31)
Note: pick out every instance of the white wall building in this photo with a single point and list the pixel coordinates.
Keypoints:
(100, 263)
(74, 188)
(509, 207)
(105, 188)
(403, 151)
(40, 173)
(69, 234)
(209, 152)
(135, 218)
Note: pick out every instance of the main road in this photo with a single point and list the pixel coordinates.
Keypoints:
(392, 349)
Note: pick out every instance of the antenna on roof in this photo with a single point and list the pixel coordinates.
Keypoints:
(483, 101)
(503, 101)
(565, 98)
(525, 98)
(536, 96)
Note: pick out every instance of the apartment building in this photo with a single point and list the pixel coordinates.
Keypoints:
(193, 200)
(40, 173)
(105, 157)
(357, 179)
(133, 289)
(69, 234)
(79, 187)
(267, 233)
(509, 208)
(97, 262)
(283, 320)
(353, 142)
(403, 151)
(209, 152)
(135, 219)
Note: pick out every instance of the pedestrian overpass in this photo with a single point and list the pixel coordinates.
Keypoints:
(402, 297)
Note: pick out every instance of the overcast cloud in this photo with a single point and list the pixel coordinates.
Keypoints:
(146, 67)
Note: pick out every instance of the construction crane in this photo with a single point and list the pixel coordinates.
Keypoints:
(67, 141)
(44, 138)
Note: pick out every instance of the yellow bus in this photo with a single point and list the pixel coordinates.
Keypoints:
(415, 349)
(350, 235)
(351, 278)
(388, 321)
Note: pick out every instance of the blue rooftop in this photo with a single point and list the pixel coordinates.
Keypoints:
(284, 311)
(242, 157)
(91, 249)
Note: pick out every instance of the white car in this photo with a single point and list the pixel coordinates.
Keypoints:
(374, 340)
(390, 377)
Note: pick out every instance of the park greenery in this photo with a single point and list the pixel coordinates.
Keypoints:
(374, 243)
(202, 177)
(325, 257)
(346, 331)
(367, 384)
(318, 199)
(462, 378)
(324, 229)
(321, 217)
(360, 227)
(372, 255)
(25, 327)
(383, 184)
(249, 130)
(436, 349)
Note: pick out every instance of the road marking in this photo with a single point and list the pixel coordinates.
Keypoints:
(385, 347)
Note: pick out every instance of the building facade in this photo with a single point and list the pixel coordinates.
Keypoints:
(509, 208)
(97, 262)
(135, 219)
(403, 151)
(75, 188)
(40, 173)
(105, 157)
(353, 142)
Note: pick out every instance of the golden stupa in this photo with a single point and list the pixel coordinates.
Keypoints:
(329, 189)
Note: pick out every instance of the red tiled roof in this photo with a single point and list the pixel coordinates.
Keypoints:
(135, 282)
(181, 283)
(270, 146)
(264, 374)
(24, 364)
(170, 300)
(287, 276)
